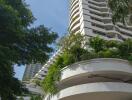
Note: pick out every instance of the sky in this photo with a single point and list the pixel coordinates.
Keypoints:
(50, 13)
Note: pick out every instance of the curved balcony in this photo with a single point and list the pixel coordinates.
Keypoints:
(75, 27)
(72, 5)
(99, 16)
(74, 22)
(97, 3)
(97, 11)
(74, 8)
(96, 70)
(72, 2)
(99, 8)
(124, 30)
(98, 91)
(73, 13)
(76, 15)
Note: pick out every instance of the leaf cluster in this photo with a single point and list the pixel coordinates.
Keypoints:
(36, 97)
(70, 40)
(121, 10)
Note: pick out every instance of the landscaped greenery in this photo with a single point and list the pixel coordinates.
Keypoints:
(36, 97)
(121, 10)
(98, 48)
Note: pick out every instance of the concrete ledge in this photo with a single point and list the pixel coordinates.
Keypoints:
(97, 91)
(101, 65)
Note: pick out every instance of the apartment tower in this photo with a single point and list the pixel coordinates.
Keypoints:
(30, 71)
(93, 17)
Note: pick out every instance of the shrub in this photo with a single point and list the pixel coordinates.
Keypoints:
(97, 44)
(36, 97)
(76, 52)
(49, 83)
(68, 59)
(125, 48)
(105, 54)
(130, 58)
(112, 43)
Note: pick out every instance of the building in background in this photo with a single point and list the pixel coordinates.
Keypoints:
(30, 71)
(38, 75)
(41, 74)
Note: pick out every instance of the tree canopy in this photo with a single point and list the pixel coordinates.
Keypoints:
(20, 44)
(121, 10)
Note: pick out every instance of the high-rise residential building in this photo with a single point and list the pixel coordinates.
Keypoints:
(30, 71)
(96, 79)
(93, 17)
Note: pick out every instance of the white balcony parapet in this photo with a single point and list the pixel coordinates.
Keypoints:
(103, 65)
(97, 91)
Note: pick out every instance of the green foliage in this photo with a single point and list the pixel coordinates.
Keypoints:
(97, 44)
(49, 83)
(88, 55)
(121, 9)
(77, 52)
(19, 44)
(67, 59)
(125, 48)
(36, 97)
(130, 57)
(71, 40)
(107, 54)
(112, 43)
(35, 45)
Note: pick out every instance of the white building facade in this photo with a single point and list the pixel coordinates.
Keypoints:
(93, 17)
